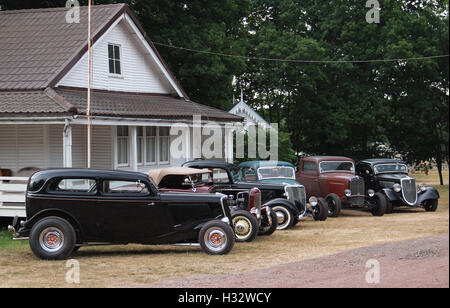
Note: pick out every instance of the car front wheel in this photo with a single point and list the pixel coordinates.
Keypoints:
(380, 205)
(334, 205)
(216, 237)
(266, 227)
(52, 238)
(285, 217)
(320, 211)
(245, 226)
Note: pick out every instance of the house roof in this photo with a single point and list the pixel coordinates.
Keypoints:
(29, 102)
(123, 104)
(38, 47)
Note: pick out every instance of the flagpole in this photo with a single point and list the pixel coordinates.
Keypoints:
(88, 110)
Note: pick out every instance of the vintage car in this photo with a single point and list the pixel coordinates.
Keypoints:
(70, 208)
(286, 200)
(245, 207)
(390, 177)
(265, 171)
(334, 178)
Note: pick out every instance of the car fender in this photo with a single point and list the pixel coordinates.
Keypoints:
(283, 202)
(430, 193)
(390, 194)
(54, 212)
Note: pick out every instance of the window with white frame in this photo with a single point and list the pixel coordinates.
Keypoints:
(114, 59)
(150, 145)
(153, 145)
(122, 145)
(164, 133)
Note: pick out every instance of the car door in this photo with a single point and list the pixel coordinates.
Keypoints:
(131, 212)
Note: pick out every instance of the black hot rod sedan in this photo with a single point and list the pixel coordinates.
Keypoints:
(70, 208)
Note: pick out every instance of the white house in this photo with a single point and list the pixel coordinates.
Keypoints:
(134, 101)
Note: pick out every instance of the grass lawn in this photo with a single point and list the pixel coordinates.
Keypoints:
(132, 265)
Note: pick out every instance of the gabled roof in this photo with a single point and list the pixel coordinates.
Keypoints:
(38, 47)
(243, 108)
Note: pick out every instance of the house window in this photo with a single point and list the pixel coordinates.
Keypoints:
(114, 59)
(150, 138)
(164, 144)
(122, 146)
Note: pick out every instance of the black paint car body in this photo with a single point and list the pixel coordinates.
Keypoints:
(273, 195)
(384, 182)
(101, 214)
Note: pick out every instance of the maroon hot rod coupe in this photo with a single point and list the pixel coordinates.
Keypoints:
(334, 178)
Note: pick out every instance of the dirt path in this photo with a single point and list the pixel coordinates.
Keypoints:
(415, 263)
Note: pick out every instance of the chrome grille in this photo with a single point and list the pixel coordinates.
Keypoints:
(409, 190)
(296, 193)
(356, 185)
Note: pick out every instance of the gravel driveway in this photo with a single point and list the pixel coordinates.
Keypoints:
(415, 263)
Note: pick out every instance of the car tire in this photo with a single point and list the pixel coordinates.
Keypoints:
(380, 207)
(285, 217)
(389, 206)
(320, 211)
(52, 238)
(216, 237)
(334, 205)
(245, 226)
(265, 228)
(430, 205)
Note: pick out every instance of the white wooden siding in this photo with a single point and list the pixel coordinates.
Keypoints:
(21, 146)
(139, 71)
(102, 147)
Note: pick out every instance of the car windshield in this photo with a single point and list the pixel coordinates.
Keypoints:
(330, 166)
(276, 172)
(391, 168)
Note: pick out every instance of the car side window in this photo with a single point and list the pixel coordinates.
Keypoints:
(220, 176)
(249, 174)
(309, 167)
(83, 186)
(125, 187)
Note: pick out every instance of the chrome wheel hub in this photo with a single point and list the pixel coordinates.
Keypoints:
(281, 217)
(51, 239)
(215, 239)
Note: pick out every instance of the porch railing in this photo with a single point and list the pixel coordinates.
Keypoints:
(12, 196)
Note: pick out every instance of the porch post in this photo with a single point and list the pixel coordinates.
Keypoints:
(188, 142)
(133, 148)
(229, 151)
(67, 146)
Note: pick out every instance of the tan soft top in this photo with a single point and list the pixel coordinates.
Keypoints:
(158, 174)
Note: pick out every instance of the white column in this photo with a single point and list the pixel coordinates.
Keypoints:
(133, 148)
(188, 141)
(229, 143)
(67, 146)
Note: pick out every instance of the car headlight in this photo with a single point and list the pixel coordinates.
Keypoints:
(313, 201)
(397, 187)
(422, 187)
(347, 193)
(371, 193)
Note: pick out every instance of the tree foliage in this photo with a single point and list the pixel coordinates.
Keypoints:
(358, 109)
